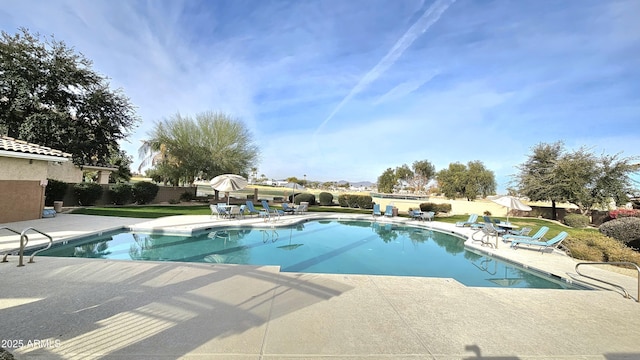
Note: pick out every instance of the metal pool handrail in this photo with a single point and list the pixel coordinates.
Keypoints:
(4, 258)
(23, 236)
(626, 294)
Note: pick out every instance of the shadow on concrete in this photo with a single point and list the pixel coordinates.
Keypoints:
(116, 309)
(478, 354)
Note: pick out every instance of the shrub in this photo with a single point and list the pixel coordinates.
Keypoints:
(443, 208)
(364, 201)
(187, 196)
(428, 206)
(593, 246)
(174, 201)
(576, 220)
(325, 198)
(310, 198)
(144, 192)
(343, 200)
(121, 193)
(54, 191)
(356, 201)
(436, 208)
(347, 200)
(625, 229)
(87, 193)
(584, 246)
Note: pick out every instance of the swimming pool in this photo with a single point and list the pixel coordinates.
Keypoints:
(324, 246)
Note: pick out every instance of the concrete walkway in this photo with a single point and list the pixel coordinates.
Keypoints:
(69, 308)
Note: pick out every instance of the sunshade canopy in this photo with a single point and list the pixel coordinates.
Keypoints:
(228, 182)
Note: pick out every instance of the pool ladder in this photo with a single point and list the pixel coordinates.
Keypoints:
(24, 240)
(624, 291)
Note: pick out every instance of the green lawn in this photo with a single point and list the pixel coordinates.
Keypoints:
(148, 211)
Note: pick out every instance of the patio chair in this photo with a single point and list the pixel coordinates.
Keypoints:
(376, 210)
(242, 209)
(222, 210)
(234, 212)
(287, 209)
(415, 214)
(302, 208)
(522, 232)
(429, 215)
(269, 210)
(251, 210)
(535, 237)
(470, 221)
(487, 231)
(388, 211)
(215, 210)
(550, 244)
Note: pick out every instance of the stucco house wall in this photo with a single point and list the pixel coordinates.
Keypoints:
(66, 171)
(22, 169)
(21, 200)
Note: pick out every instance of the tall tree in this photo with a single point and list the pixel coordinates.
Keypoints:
(469, 181)
(403, 175)
(537, 178)
(424, 172)
(480, 181)
(123, 162)
(49, 95)
(387, 181)
(452, 180)
(207, 146)
(578, 177)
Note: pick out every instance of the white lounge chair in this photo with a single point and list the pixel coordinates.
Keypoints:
(302, 208)
(215, 210)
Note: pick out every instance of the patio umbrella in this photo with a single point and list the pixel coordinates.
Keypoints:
(294, 186)
(511, 202)
(228, 182)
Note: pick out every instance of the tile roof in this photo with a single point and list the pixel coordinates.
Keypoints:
(11, 144)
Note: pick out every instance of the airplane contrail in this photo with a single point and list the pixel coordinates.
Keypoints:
(430, 16)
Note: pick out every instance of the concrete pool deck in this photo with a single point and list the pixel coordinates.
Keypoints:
(70, 308)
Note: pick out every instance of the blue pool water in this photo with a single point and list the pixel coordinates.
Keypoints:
(329, 246)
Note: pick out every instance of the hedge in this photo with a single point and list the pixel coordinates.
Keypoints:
(87, 193)
(355, 201)
(54, 191)
(144, 192)
(121, 193)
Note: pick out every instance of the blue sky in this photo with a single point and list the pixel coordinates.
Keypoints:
(342, 90)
